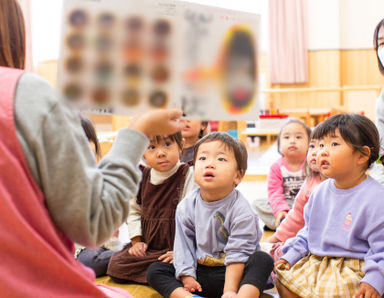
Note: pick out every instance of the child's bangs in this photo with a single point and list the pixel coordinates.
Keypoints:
(322, 131)
(175, 138)
(348, 130)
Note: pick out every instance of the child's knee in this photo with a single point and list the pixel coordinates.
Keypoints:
(152, 271)
(156, 269)
(261, 258)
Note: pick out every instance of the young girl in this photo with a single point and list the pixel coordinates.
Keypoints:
(340, 250)
(286, 175)
(96, 258)
(294, 220)
(192, 132)
(151, 218)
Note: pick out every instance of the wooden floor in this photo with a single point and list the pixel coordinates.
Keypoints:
(136, 290)
(142, 291)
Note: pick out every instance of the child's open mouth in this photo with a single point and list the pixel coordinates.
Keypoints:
(209, 175)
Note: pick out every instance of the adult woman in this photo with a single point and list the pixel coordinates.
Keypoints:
(377, 171)
(51, 191)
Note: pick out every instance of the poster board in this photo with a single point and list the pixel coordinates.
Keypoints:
(123, 57)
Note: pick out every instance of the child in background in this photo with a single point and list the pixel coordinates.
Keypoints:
(294, 220)
(90, 132)
(151, 217)
(216, 250)
(340, 250)
(192, 132)
(286, 175)
(97, 258)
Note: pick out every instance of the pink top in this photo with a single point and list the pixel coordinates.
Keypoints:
(283, 185)
(294, 220)
(36, 258)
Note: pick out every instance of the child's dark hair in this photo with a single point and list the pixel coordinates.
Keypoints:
(376, 44)
(174, 138)
(201, 132)
(290, 121)
(90, 132)
(356, 130)
(229, 142)
(308, 172)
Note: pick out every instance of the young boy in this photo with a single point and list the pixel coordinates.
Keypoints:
(216, 249)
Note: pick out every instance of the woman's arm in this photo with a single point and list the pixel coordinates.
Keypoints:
(184, 249)
(86, 202)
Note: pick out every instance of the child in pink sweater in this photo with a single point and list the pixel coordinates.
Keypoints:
(286, 174)
(294, 220)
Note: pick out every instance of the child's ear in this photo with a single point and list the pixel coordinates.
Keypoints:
(182, 143)
(364, 157)
(239, 177)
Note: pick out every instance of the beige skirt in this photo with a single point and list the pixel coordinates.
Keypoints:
(315, 276)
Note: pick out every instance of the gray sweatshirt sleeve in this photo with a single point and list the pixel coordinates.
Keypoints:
(377, 170)
(380, 118)
(86, 202)
(184, 247)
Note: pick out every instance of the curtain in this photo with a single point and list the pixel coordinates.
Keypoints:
(288, 54)
(26, 7)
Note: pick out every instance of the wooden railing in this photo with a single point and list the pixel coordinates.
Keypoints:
(340, 90)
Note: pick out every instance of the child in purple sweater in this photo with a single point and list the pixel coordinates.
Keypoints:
(216, 249)
(340, 250)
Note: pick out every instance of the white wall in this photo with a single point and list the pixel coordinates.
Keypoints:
(46, 29)
(343, 24)
(358, 20)
(323, 24)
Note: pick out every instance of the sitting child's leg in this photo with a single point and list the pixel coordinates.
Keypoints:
(265, 212)
(256, 273)
(284, 292)
(248, 291)
(96, 259)
(161, 277)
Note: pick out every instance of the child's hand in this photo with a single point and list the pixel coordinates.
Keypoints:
(167, 257)
(138, 249)
(366, 290)
(190, 284)
(158, 122)
(229, 295)
(272, 239)
(279, 218)
(282, 261)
